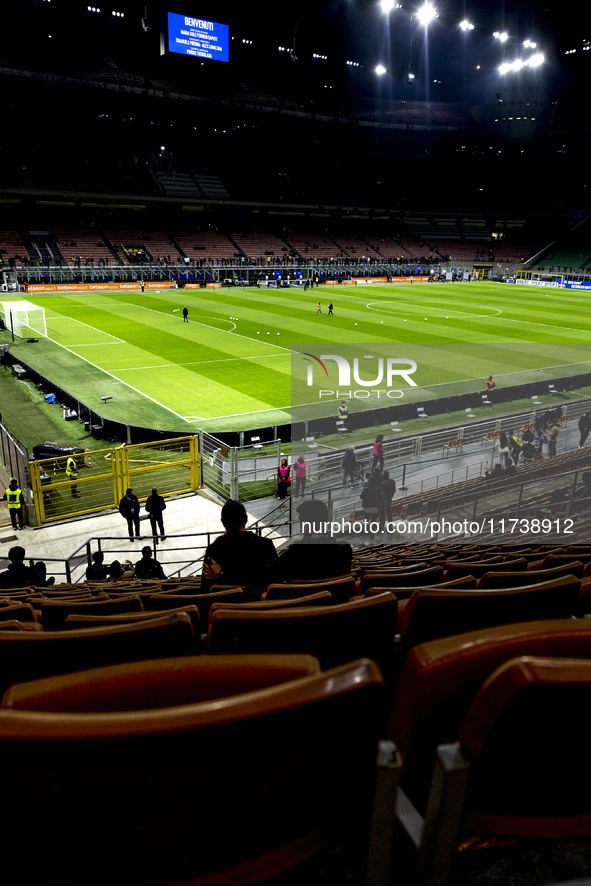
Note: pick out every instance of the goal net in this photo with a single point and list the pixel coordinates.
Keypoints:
(24, 318)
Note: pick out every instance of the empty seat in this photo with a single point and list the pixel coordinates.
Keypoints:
(158, 683)
(519, 768)
(333, 634)
(203, 602)
(440, 679)
(55, 612)
(237, 789)
(76, 621)
(28, 655)
(431, 614)
(341, 588)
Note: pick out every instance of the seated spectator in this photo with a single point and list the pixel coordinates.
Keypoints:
(238, 557)
(116, 571)
(20, 576)
(496, 473)
(583, 489)
(97, 571)
(317, 554)
(147, 567)
(529, 451)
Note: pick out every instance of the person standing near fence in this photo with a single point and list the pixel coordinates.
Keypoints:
(378, 453)
(129, 508)
(72, 474)
(283, 479)
(155, 505)
(15, 500)
(300, 472)
(552, 438)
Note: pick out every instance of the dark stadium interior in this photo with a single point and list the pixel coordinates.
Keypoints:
(158, 735)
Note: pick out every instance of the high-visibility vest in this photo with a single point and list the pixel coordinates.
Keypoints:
(71, 469)
(14, 497)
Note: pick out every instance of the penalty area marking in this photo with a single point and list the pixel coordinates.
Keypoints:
(88, 326)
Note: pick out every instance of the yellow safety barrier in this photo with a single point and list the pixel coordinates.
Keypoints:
(171, 466)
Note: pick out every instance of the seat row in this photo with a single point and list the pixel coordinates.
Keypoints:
(228, 768)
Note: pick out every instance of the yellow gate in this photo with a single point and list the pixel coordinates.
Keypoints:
(171, 466)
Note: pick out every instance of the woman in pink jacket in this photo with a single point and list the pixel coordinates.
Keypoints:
(283, 479)
(300, 475)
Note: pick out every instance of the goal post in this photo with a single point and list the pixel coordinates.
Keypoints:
(24, 318)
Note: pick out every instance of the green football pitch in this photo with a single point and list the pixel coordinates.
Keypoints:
(229, 367)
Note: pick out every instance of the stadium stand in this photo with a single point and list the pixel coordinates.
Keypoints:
(204, 247)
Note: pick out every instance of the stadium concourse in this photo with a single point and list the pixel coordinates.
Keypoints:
(58, 541)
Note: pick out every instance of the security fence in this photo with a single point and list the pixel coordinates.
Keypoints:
(171, 466)
(14, 463)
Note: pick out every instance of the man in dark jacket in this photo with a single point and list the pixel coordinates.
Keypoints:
(97, 571)
(129, 507)
(238, 557)
(348, 465)
(155, 505)
(147, 567)
(584, 428)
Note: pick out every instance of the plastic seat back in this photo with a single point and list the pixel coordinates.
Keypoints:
(243, 787)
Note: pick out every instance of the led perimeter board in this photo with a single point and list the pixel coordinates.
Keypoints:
(198, 37)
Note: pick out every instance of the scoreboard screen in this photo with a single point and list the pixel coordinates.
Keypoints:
(198, 37)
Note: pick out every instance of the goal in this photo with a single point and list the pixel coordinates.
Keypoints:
(24, 318)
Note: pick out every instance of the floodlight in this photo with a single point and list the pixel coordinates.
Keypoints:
(504, 68)
(466, 26)
(501, 35)
(529, 44)
(426, 13)
(536, 60)
(387, 5)
(380, 69)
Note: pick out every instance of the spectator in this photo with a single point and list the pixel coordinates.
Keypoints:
(378, 453)
(300, 473)
(584, 427)
(372, 502)
(147, 567)
(539, 441)
(529, 451)
(317, 554)
(348, 464)
(583, 490)
(155, 505)
(502, 444)
(387, 487)
(129, 508)
(514, 446)
(97, 571)
(552, 438)
(238, 557)
(283, 479)
(20, 576)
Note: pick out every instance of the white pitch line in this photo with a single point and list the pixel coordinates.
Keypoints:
(106, 371)
(74, 320)
(201, 362)
(97, 344)
(427, 308)
(225, 331)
